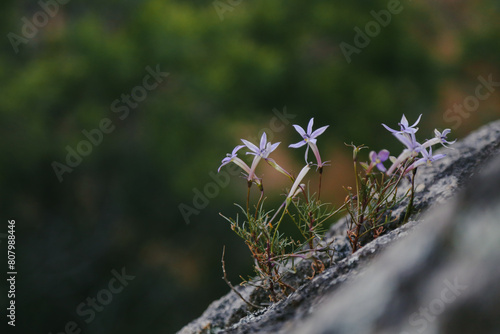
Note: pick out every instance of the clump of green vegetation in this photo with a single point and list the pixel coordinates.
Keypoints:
(368, 205)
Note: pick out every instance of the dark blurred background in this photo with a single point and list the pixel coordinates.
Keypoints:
(233, 66)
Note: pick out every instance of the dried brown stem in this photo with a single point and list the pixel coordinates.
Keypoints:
(231, 286)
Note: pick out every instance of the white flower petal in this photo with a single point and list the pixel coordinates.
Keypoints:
(299, 178)
(236, 149)
(263, 141)
(388, 128)
(319, 131)
(404, 121)
(273, 147)
(418, 120)
(250, 146)
(310, 126)
(297, 145)
(300, 130)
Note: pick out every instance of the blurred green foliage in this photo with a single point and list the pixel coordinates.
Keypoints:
(119, 207)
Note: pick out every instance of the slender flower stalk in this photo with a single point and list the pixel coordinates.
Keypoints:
(295, 187)
(296, 184)
(409, 209)
(260, 200)
(315, 150)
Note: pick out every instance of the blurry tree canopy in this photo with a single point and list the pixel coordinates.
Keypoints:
(225, 77)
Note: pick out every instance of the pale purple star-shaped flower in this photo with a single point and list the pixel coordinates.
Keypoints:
(309, 138)
(260, 152)
(230, 157)
(442, 136)
(427, 158)
(412, 149)
(405, 126)
(233, 157)
(439, 138)
(377, 159)
(265, 147)
(409, 140)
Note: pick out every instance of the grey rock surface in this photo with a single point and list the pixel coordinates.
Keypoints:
(387, 286)
(444, 278)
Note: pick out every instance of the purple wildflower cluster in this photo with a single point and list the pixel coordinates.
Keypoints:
(265, 148)
(406, 135)
(369, 205)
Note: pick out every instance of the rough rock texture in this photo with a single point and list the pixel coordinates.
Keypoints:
(437, 274)
(444, 278)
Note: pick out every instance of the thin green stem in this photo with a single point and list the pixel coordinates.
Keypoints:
(357, 186)
(248, 198)
(276, 229)
(260, 201)
(276, 213)
(299, 227)
(305, 195)
(320, 170)
(311, 228)
(333, 213)
(412, 196)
